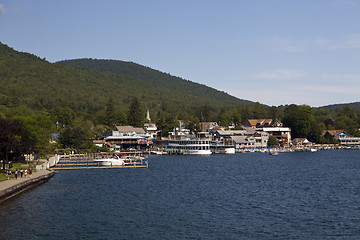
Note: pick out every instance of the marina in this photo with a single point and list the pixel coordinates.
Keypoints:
(101, 160)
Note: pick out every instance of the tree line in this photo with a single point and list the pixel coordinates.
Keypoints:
(25, 131)
(71, 99)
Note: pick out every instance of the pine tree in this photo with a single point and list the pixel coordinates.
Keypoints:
(135, 115)
(110, 113)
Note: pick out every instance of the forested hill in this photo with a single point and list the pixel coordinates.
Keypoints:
(34, 83)
(152, 76)
(29, 81)
(337, 107)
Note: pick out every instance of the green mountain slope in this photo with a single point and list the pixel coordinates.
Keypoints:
(153, 76)
(29, 81)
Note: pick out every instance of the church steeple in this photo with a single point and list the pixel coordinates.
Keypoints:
(148, 116)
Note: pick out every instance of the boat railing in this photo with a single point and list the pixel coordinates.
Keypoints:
(186, 138)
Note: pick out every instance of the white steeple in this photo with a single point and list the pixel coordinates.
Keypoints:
(148, 116)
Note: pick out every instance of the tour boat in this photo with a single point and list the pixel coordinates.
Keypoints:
(189, 144)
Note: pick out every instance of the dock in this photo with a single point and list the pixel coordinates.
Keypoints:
(87, 161)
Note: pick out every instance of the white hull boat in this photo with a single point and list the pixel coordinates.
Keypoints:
(229, 150)
(114, 161)
(199, 152)
(191, 147)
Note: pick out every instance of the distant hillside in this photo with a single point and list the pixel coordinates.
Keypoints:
(29, 81)
(336, 107)
(152, 76)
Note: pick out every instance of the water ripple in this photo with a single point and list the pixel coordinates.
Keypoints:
(241, 196)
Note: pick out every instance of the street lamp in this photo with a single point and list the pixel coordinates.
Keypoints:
(7, 159)
(10, 162)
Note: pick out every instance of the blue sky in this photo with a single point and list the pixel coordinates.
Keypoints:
(274, 52)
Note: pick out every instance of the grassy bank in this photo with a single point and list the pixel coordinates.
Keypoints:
(16, 166)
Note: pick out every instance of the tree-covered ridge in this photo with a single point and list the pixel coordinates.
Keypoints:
(155, 77)
(35, 83)
(338, 107)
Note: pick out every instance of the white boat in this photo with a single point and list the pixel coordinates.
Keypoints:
(113, 161)
(156, 152)
(222, 148)
(311, 150)
(188, 144)
(228, 150)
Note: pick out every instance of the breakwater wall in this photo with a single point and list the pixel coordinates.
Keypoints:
(14, 189)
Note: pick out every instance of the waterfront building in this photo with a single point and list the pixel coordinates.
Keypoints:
(283, 134)
(272, 127)
(242, 138)
(254, 139)
(261, 123)
(151, 130)
(225, 135)
(342, 137)
(334, 134)
(128, 138)
(212, 126)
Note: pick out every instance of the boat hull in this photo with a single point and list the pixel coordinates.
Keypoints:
(228, 151)
(110, 162)
(199, 152)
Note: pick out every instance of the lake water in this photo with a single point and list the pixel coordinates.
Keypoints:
(243, 196)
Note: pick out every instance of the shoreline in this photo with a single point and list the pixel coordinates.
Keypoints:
(13, 187)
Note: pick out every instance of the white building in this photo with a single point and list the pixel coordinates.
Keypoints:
(151, 130)
(347, 140)
(243, 138)
(283, 134)
(251, 140)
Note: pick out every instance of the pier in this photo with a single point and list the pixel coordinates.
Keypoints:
(87, 161)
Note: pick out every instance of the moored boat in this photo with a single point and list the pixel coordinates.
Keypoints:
(311, 150)
(198, 144)
(222, 148)
(187, 146)
(113, 161)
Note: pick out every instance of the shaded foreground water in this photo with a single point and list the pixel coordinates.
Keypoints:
(241, 196)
